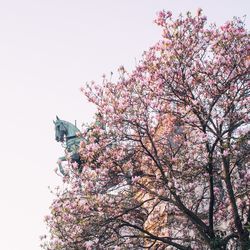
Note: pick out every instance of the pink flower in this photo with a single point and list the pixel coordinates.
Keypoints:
(135, 178)
(199, 10)
(216, 190)
(75, 165)
(89, 245)
(225, 152)
(169, 14)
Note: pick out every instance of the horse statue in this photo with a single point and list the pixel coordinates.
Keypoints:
(69, 134)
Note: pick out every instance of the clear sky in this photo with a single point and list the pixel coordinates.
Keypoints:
(48, 49)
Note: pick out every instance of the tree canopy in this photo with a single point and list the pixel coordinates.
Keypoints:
(166, 162)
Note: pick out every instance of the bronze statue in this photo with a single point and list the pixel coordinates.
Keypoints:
(71, 135)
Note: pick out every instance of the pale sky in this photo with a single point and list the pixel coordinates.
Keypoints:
(48, 49)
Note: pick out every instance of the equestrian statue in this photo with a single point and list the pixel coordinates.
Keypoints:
(69, 134)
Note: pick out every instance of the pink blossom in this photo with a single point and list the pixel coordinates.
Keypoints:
(89, 245)
(199, 10)
(226, 152)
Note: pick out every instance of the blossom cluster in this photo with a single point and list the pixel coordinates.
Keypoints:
(166, 162)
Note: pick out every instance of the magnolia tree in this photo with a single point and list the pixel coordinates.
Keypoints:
(166, 163)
